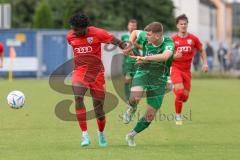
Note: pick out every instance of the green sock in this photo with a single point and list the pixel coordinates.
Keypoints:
(141, 125)
(127, 90)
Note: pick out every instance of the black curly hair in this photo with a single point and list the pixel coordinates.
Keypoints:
(79, 20)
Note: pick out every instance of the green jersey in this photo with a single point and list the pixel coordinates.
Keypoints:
(125, 38)
(149, 49)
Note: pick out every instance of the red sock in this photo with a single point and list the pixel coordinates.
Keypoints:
(101, 124)
(81, 117)
(179, 100)
(178, 106)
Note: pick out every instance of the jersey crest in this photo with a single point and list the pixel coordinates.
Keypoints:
(189, 41)
(90, 40)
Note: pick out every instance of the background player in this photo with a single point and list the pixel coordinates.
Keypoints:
(151, 75)
(129, 63)
(185, 43)
(89, 71)
(1, 54)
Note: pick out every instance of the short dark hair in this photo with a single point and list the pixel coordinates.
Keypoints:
(132, 21)
(155, 27)
(181, 17)
(79, 20)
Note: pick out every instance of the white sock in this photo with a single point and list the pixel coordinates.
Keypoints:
(132, 133)
(178, 116)
(129, 105)
(84, 133)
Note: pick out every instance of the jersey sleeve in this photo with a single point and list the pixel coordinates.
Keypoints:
(169, 47)
(104, 36)
(198, 44)
(68, 38)
(141, 36)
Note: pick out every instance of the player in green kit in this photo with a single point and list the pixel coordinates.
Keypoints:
(151, 74)
(128, 66)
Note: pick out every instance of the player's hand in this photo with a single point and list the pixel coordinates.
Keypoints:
(139, 59)
(178, 55)
(128, 52)
(205, 67)
(128, 49)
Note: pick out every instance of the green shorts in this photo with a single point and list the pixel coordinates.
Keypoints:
(129, 68)
(153, 83)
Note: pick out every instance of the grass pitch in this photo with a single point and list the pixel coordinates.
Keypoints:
(211, 129)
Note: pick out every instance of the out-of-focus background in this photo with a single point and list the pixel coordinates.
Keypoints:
(36, 29)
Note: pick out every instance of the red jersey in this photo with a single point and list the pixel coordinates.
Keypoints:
(1, 48)
(187, 46)
(87, 48)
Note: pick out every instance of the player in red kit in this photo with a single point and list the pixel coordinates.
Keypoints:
(88, 71)
(185, 44)
(1, 54)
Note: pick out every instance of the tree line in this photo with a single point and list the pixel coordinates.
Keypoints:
(108, 14)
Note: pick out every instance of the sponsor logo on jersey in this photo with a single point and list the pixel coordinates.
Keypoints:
(184, 49)
(81, 50)
(189, 41)
(177, 43)
(169, 48)
(90, 40)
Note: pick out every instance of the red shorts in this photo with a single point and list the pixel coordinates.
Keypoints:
(96, 83)
(179, 76)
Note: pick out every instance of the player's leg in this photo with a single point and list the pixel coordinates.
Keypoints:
(155, 95)
(127, 86)
(98, 94)
(98, 104)
(128, 72)
(135, 96)
(126, 78)
(169, 86)
(179, 93)
(79, 92)
(182, 96)
(154, 103)
(187, 85)
(141, 125)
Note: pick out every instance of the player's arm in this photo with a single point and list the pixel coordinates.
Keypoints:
(203, 54)
(167, 53)
(139, 46)
(204, 60)
(132, 42)
(177, 55)
(158, 58)
(118, 42)
(106, 37)
(133, 39)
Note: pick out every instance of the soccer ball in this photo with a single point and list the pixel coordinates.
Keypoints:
(16, 99)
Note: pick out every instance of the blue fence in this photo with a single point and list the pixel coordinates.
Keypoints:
(48, 47)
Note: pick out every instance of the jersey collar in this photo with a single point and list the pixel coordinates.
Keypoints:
(184, 36)
(160, 43)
